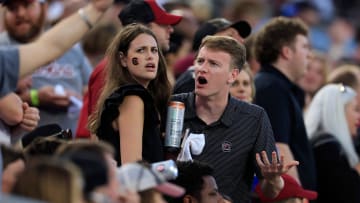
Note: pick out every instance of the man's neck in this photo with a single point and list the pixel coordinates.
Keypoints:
(284, 69)
(210, 109)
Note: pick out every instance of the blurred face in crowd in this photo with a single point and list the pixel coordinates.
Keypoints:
(299, 56)
(162, 33)
(314, 77)
(352, 112)
(241, 87)
(209, 192)
(24, 19)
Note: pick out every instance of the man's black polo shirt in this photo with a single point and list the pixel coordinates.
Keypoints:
(282, 100)
(231, 143)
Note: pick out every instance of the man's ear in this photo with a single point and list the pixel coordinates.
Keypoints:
(233, 74)
(286, 52)
(123, 60)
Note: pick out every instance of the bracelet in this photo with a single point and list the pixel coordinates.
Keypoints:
(85, 18)
(34, 97)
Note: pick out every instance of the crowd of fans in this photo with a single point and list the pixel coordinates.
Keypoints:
(271, 91)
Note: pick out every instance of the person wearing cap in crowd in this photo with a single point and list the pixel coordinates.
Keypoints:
(135, 94)
(236, 134)
(291, 193)
(150, 184)
(198, 181)
(19, 61)
(24, 22)
(218, 27)
(147, 12)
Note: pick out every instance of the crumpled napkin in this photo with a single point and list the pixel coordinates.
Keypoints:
(193, 144)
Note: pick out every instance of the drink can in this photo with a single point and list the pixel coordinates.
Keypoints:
(167, 168)
(174, 124)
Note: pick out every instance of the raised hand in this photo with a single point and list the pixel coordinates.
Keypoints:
(274, 169)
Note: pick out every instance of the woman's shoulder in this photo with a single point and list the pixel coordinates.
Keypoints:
(131, 90)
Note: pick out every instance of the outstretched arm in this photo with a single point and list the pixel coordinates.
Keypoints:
(273, 183)
(60, 38)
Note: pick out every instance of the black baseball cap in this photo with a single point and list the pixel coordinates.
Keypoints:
(216, 25)
(146, 11)
(6, 2)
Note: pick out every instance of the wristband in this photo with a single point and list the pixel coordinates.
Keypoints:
(34, 97)
(85, 18)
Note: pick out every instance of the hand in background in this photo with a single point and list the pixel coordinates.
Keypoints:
(274, 169)
(273, 183)
(49, 98)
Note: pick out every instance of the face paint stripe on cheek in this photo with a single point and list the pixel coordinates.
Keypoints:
(135, 61)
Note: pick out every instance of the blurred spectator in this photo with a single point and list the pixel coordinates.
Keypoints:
(20, 61)
(97, 41)
(198, 181)
(95, 161)
(315, 76)
(189, 24)
(308, 12)
(250, 54)
(326, 9)
(342, 40)
(150, 184)
(251, 11)
(50, 180)
(331, 123)
(349, 75)
(24, 22)
(243, 87)
(204, 10)
(282, 48)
